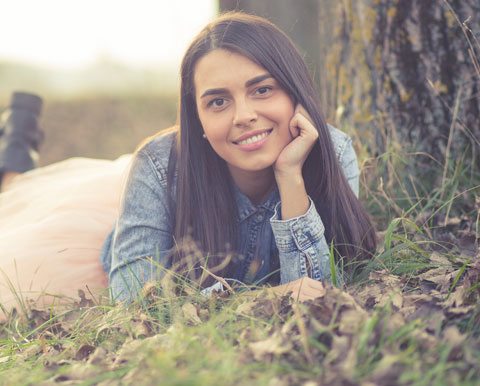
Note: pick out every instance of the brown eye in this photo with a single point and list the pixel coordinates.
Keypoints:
(217, 102)
(263, 90)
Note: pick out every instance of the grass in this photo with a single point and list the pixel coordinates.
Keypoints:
(410, 316)
(187, 339)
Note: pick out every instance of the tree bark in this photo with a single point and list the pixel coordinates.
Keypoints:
(406, 72)
(401, 72)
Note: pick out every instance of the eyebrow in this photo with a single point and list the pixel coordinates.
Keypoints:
(248, 83)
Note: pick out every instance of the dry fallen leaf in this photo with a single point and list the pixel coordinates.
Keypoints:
(394, 322)
(99, 356)
(77, 372)
(84, 302)
(190, 314)
(439, 259)
(453, 336)
(351, 321)
(84, 352)
(275, 345)
(129, 351)
(385, 277)
(393, 296)
(141, 326)
(277, 381)
(340, 347)
(246, 308)
(388, 370)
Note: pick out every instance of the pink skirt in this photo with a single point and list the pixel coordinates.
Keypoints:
(53, 221)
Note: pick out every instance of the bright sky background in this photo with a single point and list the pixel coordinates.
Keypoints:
(70, 34)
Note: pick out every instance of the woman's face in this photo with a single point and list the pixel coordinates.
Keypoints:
(244, 112)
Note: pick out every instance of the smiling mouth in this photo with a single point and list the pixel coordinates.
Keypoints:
(255, 138)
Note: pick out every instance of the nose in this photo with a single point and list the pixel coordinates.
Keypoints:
(244, 114)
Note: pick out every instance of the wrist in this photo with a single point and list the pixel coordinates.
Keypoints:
(293, 196)
(288, 177)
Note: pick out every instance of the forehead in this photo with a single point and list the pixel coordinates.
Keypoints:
(221, 68)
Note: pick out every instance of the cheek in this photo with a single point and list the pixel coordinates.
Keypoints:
(215, 128)
(282, 111)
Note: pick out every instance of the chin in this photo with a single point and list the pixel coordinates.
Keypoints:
(258, 167)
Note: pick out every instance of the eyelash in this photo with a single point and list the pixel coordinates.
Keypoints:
(269, 88)
(211, 103)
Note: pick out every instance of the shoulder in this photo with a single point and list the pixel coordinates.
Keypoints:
(341, 141)
(154, 153)
(157, 148)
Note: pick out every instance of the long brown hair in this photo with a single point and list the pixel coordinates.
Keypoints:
(203, 204)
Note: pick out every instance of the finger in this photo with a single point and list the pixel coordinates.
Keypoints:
(294, 126)
(301, 125)
(301, 110)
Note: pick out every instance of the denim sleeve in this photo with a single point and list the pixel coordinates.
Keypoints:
(143, 233)
(349, 164)
(301, 243)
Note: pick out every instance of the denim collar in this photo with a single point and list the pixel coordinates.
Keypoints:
(246, 208)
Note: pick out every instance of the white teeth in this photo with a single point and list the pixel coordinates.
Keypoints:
(253, 139)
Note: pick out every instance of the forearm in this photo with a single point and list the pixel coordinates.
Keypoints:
(293, 195)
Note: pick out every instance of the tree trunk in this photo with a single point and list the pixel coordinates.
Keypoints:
(406, 72)
(401, 72)
(302, 22)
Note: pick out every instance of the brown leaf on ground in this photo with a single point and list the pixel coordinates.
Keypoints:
(84, 302)
(341, 358)
(128, 352)
(350, 321)
(440, 260)
(37, 317)
(78, 372)
(467, 243)
(426, 341)
(393, 297)
(277, 381)
(84, 352)
(471, 283)
(430, 313)
(100, 356)
(453, 337)
(388, 370)
(385, 277)
(416, 299)
(456, 298)
(383, 288)
(455, 340)
(266, 307)
(368, 295)
(134, 350)
(442, 276)
(275, 345)
(141, 326)
(31, 351)
(190, 313)
(394, 323)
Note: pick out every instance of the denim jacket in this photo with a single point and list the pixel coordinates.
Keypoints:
(137, 249)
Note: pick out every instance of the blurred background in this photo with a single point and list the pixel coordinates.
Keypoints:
(107, 70)
(401, 77)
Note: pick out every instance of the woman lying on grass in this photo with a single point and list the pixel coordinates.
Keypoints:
(252, 185)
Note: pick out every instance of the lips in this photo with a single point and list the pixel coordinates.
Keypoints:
(251, 134)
